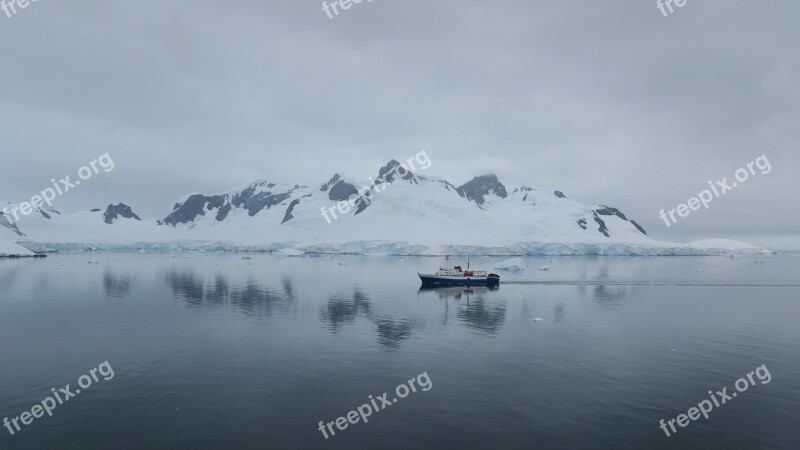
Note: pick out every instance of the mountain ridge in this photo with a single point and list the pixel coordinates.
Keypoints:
(398, 212)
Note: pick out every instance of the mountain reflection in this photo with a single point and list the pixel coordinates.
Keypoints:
(610, 297)
(341, 310)
(287, 288)
(478, 316)
(8, 275)
(251, 298)
(475, 313)
(116, 285)
(215, 290)
(391, 333)
(559, 312)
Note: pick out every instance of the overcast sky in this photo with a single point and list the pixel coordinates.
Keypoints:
(610, 102)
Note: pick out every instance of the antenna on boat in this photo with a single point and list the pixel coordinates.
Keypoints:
(467, 262)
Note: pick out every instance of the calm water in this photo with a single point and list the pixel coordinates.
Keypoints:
(217, 351)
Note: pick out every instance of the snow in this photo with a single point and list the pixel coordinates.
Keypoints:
(512, 265)
(426, 217)
(290, 252)
(9, 246)
(722, 244)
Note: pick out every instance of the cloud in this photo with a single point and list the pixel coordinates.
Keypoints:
(608, 101)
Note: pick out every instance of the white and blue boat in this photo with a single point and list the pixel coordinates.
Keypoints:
(459, 277)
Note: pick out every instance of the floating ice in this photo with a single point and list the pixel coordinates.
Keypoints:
(290, 252)
(512, 264)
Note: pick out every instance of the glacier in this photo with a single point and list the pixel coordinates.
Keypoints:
(412, 214)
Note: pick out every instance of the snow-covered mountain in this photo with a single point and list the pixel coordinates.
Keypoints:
(399, 212)
(9, 235)
(47, 224)
(9, 246)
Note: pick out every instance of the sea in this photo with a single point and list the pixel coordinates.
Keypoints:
(258, 351)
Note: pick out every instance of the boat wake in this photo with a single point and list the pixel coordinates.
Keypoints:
(645, 283)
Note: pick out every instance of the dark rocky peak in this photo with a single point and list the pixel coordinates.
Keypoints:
(47, 211)
(394, 170)
(479, 187)
(288, 215)
(604, 210)
(559, 194)
(338, 189)
(254, 198)
(602, 228)
(113, 212)
(10, 224)
(331, 182)
(195, 206)
(638, 227)
(341, 191)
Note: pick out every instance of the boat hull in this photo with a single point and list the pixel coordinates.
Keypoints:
(435, 281)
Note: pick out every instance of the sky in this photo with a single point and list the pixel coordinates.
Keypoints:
(610, 102)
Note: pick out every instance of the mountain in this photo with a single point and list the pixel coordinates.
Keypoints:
(413, 214)
(68, 230)
(9, 247)
(7, 222)
(120, 210)
(252, 199)
(9, 235)
(397, 212)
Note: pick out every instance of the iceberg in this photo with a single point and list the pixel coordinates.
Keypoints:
(512, 265)
(290, 252)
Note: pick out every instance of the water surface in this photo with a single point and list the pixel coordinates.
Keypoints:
(219, 351)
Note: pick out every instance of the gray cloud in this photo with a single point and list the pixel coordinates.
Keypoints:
(608, 101)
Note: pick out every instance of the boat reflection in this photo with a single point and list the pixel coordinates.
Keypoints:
(457, 292)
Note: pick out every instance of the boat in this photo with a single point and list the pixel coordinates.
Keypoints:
(459, 277)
